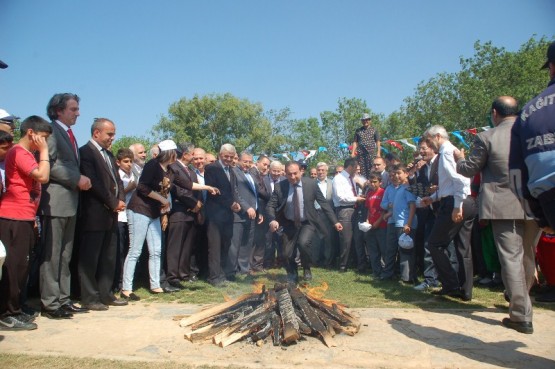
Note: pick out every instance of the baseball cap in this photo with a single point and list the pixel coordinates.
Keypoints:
(5, 116)
(3, 65)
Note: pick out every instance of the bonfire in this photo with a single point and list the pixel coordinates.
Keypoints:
(283, 314)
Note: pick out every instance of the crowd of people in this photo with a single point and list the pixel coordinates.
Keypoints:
(199, 215)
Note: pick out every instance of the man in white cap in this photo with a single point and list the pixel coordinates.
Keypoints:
(7, 123)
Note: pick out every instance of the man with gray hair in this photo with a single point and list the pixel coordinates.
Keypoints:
(139, 158)
(454, 219)
(324, 249)
(219, 212)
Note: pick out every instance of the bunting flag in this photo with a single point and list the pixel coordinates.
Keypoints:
(306, 154)
(395, 144)
(406, 142)
(460, 137)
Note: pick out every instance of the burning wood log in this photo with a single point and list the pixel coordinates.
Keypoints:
(284, 313)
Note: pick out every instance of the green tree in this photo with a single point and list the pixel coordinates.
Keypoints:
(212, 120)
(126, 141)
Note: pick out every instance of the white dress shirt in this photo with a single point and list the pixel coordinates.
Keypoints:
(342, 186)
(451, 183)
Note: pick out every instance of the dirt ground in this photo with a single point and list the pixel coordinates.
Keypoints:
(389, 338)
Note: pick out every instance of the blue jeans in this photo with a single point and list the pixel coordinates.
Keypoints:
(377, 248)
(142, 227)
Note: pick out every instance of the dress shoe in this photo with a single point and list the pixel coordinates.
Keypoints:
(132, 296)
(57, 314)
(522, 327)
(342, 270)
(176, 284)
(451, 293)
(170, 289)
(96, 306)
(506, 296)
(307, 274)
(192, 278)
(116, 302)
(70, 308)
(231, 277)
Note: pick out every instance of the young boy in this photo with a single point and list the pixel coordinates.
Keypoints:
(376, 236)
(18, 208)
(124, 160)
(404, 218)
(390, 255)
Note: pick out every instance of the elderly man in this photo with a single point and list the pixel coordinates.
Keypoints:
(512, 233)
(292, 205)
(139, 158)
(273, 240)
(219, 212)
(58, 208)
(454, 219)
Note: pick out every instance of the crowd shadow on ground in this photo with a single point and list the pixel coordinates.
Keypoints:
(504, 353)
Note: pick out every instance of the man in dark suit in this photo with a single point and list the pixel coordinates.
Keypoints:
(258, 173)
(292, 206)
(186, 205)
(98, 221)
(219, 212)
(273, 239)
(58, 209)
(245, 220)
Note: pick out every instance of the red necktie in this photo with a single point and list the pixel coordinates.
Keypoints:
(73, 140)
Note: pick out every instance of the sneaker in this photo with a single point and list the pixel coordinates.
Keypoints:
(10, 323)
(422, 287)
(25, 318)
(485, 281)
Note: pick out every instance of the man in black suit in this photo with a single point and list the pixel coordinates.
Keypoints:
(186, 205)
(219, 212)
(324, 248)
(98, 219)
(292, 206)
(258, 173)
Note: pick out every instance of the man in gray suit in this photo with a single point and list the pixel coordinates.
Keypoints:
(514, 236)
(244, 221)
(58, 208)
(325, 247)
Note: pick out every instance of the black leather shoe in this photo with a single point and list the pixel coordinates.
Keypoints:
(171, 289)
(96, 306)
(132, 296)
(117, 302)
(56, 314)
(70, 308)
(342, 270)
(192, 278)
(522, 327)
(307, 274)
(457, 293)
(176, 284)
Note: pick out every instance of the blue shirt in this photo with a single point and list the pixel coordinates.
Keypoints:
(401, 210)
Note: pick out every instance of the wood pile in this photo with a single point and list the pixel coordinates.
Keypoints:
(282, 314)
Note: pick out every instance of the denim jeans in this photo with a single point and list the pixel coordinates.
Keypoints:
(142, 227)
(377, 248)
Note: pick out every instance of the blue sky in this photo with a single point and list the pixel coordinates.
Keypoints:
(129, 60)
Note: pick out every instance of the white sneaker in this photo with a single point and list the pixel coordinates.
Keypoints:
(11, 323)
(422, 287)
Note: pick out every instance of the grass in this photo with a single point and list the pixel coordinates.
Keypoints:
(350, 288)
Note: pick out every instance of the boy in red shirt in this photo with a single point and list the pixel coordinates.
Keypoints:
(376, 236)
(18, 208)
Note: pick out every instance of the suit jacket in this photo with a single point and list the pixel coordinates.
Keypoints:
(422, 176)
(490, 155)
(263, 192)
(60, 196)
(183, 196)
(218, 207)
(247, 196)
(267, 183)
(329, 191)
(276, 206)
(99, 202)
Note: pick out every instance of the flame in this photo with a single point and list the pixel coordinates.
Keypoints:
(257, 287)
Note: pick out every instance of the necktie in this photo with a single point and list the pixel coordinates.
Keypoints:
(107, 159)
(226, 169)
(353, 186)
(73, 140)
(296, 207)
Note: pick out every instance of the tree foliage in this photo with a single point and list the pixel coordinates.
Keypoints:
(126, 141)
(458, 101)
